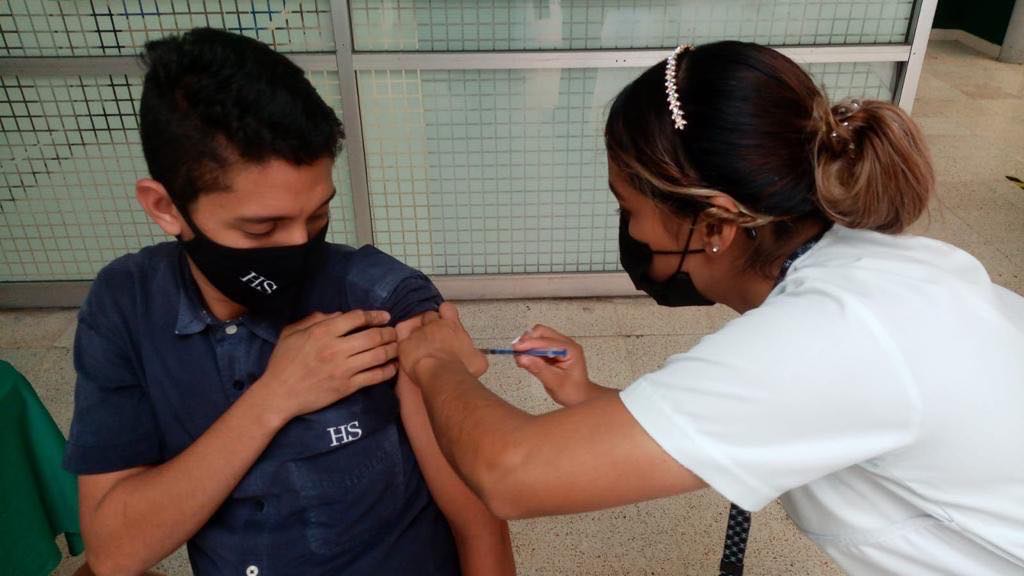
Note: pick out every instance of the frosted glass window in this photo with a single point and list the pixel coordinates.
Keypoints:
(504, 171)
(113, 27)
(444, 25)
(69, 158)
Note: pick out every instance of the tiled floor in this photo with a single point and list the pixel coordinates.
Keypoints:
(972, 110)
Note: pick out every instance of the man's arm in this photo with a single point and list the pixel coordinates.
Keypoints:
(483, 540)
(131, 519)
(134, 517)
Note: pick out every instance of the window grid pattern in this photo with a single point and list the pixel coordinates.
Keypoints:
(488, 25)
(122, 27)
(504, 171)
(69, 158)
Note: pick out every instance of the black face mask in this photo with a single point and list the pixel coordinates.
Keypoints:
(677, 290)
(264, 280)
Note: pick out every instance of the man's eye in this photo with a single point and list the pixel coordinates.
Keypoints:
(259, 233)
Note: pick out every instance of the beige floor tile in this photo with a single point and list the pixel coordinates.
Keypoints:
(950, 110)
(67, 339)
(24, 360)
(648, 353)
(508, 319)
(932, 87)
(22, 328)
(983, 83)
(678, 535)
(947, 50)
(994, 209)
(174, 565)
(53, 378)
(69, 565)
(643, 316)
(1012, 109)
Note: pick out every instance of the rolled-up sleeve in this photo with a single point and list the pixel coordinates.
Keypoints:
(380, 282)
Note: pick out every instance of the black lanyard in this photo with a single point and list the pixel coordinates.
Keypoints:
(737, 530)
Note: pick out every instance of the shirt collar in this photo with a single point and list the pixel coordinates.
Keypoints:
(192, 315)
(266, 328)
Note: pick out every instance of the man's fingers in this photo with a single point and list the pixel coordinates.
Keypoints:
(374, 357)
(374, 376)
(351, 321)
(366, 340)
(311, 320)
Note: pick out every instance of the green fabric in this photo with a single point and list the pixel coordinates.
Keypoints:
(38, 498)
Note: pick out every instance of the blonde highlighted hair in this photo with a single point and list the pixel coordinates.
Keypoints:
(760, 131)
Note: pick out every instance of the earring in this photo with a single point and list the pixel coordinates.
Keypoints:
(714, 249)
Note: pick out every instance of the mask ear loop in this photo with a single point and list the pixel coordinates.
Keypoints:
(196, 232)
(686, 247)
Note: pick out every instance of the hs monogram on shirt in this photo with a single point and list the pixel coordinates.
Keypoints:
(259, 283)
(345, 433)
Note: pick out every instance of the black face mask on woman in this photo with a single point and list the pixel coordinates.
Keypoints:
(264, 280)
(636, 256)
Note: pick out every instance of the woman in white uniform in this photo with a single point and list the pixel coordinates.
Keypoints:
(874, 380)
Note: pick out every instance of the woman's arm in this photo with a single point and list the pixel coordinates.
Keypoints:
(587, 457)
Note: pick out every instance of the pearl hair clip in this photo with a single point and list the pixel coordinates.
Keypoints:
(670, 86)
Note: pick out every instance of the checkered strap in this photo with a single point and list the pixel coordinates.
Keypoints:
(735, 548)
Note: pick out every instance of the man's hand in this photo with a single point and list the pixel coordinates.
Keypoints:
(438, 337)
(326, 357)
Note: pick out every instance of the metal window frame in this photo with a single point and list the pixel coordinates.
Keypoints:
(347, 62)
(917, 38)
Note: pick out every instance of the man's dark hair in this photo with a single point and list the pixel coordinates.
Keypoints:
(212, 99)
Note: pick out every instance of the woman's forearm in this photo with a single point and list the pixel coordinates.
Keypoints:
(591, 456)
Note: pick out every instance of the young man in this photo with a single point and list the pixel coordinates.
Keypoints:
(237, 389)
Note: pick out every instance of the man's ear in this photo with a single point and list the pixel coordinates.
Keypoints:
(155, 200)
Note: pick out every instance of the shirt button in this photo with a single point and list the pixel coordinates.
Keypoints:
(252, 571)
(238, 384)
(231, 329)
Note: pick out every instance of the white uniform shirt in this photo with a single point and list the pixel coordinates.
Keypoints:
(880, 391)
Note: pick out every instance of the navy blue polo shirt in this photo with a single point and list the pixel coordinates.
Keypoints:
(337, 491)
